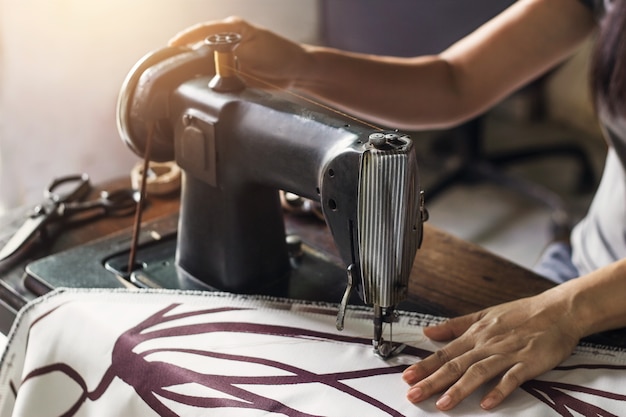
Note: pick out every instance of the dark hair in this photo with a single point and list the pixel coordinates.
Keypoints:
(608, 62)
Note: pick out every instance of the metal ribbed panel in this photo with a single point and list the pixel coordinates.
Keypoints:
(387, 224)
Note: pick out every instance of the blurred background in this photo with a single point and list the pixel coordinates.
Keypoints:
(62, 63)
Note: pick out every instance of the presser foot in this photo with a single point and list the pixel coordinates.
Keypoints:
(385, 348)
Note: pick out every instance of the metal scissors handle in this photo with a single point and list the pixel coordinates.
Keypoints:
(76, 186)
(60, 191)
(116, 203)
(63, 201)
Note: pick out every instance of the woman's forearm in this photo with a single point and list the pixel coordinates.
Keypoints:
(461, 82)
(395, 92)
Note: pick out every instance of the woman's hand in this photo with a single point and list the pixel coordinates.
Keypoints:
(261, 54)
(512, 342)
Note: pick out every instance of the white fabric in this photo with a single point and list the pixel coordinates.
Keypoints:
(129, 353)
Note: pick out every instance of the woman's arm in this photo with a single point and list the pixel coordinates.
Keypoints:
(517, 341)
(421, 92)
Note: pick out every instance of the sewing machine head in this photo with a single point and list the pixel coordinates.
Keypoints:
(238, 147)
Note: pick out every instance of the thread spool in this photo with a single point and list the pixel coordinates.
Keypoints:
(223, 46)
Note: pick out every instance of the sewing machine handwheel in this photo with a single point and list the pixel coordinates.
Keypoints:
(126, 98)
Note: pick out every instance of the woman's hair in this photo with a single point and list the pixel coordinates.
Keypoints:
(608, 62)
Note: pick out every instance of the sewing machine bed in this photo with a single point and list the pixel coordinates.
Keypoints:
(164, 352)
(317, 275)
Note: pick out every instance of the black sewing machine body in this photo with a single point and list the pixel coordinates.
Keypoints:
(237, 149)
(234, 166)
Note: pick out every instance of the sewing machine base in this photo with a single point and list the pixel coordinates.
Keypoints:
(314, 275)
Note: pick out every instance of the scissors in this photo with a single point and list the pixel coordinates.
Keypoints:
(64, 202)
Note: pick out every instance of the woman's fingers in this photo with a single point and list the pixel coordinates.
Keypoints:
(458, 378)
(509, 382)
(479, 373)
(448, 330)
(459, 374)
(263, 57)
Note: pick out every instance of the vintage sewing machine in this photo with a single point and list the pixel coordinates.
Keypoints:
(237, 147)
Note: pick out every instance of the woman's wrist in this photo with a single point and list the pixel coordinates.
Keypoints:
(596, 301)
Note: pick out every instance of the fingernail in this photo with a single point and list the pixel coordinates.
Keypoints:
(444, 402)
(488, 403)
(415, 394)
(409, 376)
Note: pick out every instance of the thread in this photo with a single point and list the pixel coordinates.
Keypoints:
(142, 195)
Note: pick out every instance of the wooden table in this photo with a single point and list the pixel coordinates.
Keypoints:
(450, 276)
